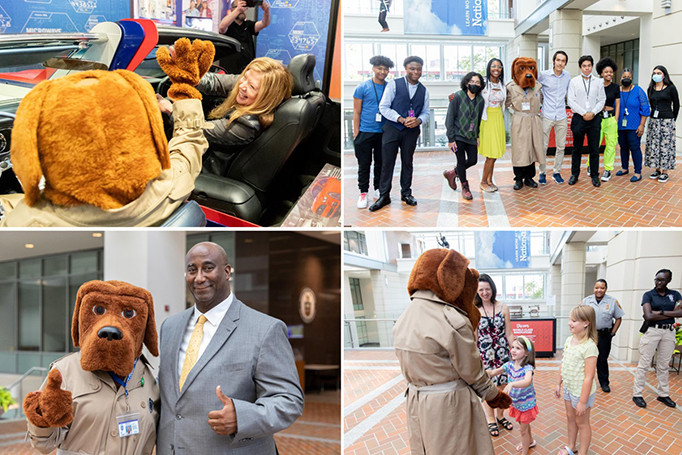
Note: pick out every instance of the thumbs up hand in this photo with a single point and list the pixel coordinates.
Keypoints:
(52, 407)
(223, 421)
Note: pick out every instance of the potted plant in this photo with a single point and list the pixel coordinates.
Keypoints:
(6, 400)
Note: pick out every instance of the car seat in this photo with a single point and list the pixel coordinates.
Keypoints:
(243, 190)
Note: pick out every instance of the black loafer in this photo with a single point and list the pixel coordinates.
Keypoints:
(596, 181)
(409, 200)
(639, 401)
(573, 179)
(531, 183)
(383, 201)
(518, 184)
(667, 401)
(605, 388)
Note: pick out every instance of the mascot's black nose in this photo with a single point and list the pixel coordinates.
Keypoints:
(110, 333)
(529, 76)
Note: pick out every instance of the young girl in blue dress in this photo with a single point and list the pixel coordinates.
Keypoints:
(519, 370)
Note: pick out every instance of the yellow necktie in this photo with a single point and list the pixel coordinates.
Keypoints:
(192, 349)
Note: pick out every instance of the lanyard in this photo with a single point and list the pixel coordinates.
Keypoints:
(625, 104)
(118, 380)
(376, 95)
(587, 87)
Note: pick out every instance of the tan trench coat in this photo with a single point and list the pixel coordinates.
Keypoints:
(435, 344)
(96, 404)
(160, 199)
(526, 127)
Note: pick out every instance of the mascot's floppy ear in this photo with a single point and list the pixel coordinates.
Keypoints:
(24, 152)
(446, 274)
(515, 76)
(153, 112)
(151, 338)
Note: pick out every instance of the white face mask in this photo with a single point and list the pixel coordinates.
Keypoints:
(657, 78)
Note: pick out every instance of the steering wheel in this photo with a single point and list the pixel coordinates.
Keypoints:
(163, 86)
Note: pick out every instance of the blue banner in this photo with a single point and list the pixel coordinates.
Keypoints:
(502, 249)
(54, 16)
(446, 17)
(296, 27)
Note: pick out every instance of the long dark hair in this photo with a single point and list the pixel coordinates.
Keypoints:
(666, 79)
(486, 279)
(490, 64)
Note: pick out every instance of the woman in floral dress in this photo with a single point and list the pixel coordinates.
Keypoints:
(494, 338)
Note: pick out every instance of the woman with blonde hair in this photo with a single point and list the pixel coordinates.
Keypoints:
(248, 110)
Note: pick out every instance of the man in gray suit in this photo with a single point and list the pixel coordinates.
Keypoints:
(229, 389)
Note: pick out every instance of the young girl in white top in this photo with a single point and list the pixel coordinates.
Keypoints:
(578, 368)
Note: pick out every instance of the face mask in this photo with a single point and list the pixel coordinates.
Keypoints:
(657, 78)
(626, 81)
(474, 88)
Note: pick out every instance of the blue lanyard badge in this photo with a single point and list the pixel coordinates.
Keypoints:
(118, 380)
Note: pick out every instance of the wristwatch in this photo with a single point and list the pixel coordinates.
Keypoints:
(662, 313)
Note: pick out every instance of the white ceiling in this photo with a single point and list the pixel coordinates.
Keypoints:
(46, 243)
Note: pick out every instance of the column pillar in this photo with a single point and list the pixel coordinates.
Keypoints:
(572, 285)
(565, 33)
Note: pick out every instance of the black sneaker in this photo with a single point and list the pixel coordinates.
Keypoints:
(606, 176)
(663, 178)
(667, 401)
(639, 401)
(654, 175)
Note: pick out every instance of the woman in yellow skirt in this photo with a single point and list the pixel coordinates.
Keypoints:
(492, 139)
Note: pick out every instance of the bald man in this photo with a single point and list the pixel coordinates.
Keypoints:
(227, 375)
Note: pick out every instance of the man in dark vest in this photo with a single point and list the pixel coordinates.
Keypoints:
(405, 105)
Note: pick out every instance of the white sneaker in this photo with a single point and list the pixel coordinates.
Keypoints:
(362, 201)
(376, 193)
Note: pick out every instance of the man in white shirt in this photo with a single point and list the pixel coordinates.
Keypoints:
(554, 89)
(586, 98)
(227, 374)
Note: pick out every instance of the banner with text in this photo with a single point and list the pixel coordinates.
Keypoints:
(446, 17)
(502, 249)
(54, 16)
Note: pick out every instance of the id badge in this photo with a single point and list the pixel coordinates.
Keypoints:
(625, 123)
(656, 113)
(606, 114)
(471, 126)
(378, 117)
(410, 113)
(525, 106)
(128, 425)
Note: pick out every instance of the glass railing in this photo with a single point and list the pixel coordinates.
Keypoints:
(368, 333)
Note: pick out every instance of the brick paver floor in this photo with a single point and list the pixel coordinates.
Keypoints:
(616, 203)
(374, 411)
(317, 431)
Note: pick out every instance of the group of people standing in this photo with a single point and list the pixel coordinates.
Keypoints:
(592, 324)
(602, 110)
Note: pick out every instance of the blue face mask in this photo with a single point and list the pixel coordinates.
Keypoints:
(657, 78)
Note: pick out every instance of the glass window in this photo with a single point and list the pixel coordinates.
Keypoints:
(8, 331)
(55, 265)
(480, 60)
(85, 261)
(533, 287)
(55, 320)
(355, 241)
(29, 268)
(29, 315)
(396, 52)
(356, 294)
(357, 61)
(431, 56)
(513, 288)
(8, 270)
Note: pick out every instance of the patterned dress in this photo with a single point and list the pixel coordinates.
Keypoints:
(492, 344)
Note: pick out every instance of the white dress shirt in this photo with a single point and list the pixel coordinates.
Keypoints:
(214, 317)
(586, 95)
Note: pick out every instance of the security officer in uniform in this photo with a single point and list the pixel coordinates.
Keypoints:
(609, 315)
(660, 306)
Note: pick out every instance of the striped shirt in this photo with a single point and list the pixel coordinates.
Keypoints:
(523, 398)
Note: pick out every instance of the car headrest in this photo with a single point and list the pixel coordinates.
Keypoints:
(301, 68)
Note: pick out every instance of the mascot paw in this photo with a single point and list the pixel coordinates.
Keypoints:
(502, 401)
(51, 407)
(187, 66)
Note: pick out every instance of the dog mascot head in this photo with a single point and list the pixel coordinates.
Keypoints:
(524, 72)
(111, 321)
(446, 273)
(96, 137)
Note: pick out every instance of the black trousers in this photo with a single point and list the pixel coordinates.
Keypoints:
(524, 172)
(604, 346)
(368, 147)
(382, 19)
(391, 141)
(581, 128)
(467, 156)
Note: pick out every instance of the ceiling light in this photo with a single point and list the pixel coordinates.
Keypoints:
(29, 245)
(97, 235)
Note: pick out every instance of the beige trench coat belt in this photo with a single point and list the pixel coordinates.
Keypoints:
(437, 388)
